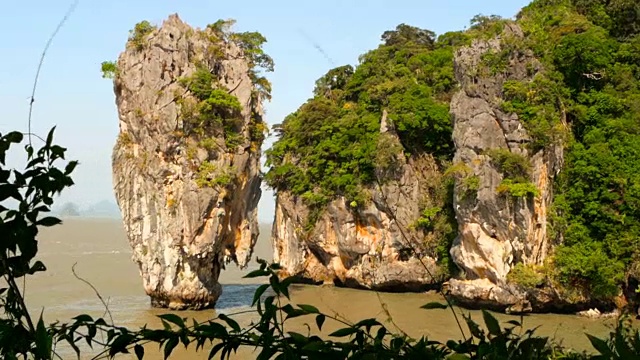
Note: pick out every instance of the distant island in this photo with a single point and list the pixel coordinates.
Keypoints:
(101, 209)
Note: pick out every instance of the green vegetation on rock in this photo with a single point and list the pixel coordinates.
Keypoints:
(525, 275)
(109, 69)
(215, 109)
(332, 145)
(139, 33)
(251, 43)
(590, 49)
(209, 175)
(582, 91)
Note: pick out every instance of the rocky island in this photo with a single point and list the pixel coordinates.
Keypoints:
(501, 162)
(186, 163)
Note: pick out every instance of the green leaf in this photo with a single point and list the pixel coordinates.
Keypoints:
(320, 320)
(368, 323)
(314, 346)
(36, 161)
(9, 191)
(120, 343)
(284, 286)
(50, 137)
(344, 332)
(70, 167)
(298, 338)
(259, 291)
(92, 331)
(256, 273)
(43, 340)
(57, 151)
(139, 350)
(84, 318)
(474, 328)
(173, 318)
(14, 137)
(232, 323)
(434, 305)
(292, 312)
(491, 322)
(458, 357)
(215, 349)
(29, 149)
(309, 309)
(600, 345)
(169, 346)
(37, 267)
(48, 221)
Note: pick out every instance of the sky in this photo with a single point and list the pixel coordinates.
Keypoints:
(72, 95)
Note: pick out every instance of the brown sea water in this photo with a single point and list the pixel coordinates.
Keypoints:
(102, 256)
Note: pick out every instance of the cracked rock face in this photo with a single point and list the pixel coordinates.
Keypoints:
(183, 233)
(362, 248)
(496, 230)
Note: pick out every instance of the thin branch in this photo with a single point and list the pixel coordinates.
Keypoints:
(12, 284)
(73, 270)
(44, 53)
(385, 309)
(410, 245)
(317, 47)
(34, 134)
(106, 307)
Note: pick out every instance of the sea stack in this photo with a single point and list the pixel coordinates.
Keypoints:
(186, 164)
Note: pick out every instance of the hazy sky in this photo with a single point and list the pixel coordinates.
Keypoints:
(72, 95)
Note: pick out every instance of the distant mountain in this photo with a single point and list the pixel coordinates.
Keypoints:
(104, 208)
(69, 209)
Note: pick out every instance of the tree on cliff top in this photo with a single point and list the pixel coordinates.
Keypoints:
(327, 148)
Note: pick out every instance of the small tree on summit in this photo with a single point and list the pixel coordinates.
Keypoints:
(405, 34)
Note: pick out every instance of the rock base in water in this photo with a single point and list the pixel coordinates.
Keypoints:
(187, 301)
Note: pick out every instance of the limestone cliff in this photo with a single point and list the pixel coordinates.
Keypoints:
(374, 247)
(186, 175)
(497, 228)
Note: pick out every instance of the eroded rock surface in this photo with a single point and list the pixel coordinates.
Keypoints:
(188, 200)
(496, 230)
(375, 247)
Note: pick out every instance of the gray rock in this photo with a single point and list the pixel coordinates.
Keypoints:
(496, 231)
(371, 247)
(484, 294)
(182, 235)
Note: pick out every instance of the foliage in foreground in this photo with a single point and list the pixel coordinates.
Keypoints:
(31, 193)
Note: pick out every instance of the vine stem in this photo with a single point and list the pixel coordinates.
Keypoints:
(106, 306)
(9, 277)
(32, 99)
(413, 249)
